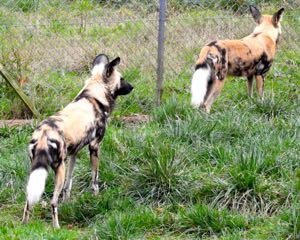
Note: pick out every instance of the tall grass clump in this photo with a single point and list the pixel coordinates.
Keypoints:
(163, 176)
(85, 208)
(245, 172)
(14, 165)
(272, 108)
(172, 109)
(135, 223)
(291, 220)
(205, 221)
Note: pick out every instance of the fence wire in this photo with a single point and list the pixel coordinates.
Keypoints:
(48, 46)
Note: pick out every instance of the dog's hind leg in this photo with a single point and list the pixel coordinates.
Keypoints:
(250, 85)
(59, 183)
(68, 184)
(260, 85)
(26, 213)
(214, 93)
(94, 149)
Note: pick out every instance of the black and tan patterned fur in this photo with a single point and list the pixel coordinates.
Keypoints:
(80, 123)
(251, 56)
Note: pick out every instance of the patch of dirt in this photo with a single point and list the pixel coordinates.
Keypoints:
(132, 119)
(136, 118)
(15, 122)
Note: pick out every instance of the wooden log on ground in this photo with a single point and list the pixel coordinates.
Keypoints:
(19, 92)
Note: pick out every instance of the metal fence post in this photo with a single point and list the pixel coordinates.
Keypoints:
(160, 51)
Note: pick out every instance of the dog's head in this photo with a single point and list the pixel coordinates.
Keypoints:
(269, 24)
(113, 79)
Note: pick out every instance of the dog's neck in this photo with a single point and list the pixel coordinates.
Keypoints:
(264, 31)
(101, 92)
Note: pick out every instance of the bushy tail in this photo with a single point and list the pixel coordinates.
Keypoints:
(36, 185)
(200, 80)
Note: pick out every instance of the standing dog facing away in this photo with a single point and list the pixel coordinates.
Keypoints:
(250, 56)
(81, 122)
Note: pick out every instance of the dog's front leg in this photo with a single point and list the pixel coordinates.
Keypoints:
(94, 149)
(68, 184)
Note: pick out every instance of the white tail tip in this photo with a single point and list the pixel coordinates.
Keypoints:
(36, 185)
(199, 85)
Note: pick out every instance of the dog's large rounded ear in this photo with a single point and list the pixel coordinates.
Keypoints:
(110, 66)
(277, 17)
(100, 59)
(255, 14)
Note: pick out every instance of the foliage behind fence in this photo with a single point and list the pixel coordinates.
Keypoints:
(47, 46)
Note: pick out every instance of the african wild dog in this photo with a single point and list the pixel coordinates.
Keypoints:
(250, 56)
(81, 122)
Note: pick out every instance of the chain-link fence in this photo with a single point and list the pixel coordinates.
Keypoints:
(47, 46)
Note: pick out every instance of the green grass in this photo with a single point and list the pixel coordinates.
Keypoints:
(185, 174)
(230, 174)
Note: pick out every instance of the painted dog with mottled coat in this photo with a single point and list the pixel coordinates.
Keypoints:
(80, 123)
(250, 56)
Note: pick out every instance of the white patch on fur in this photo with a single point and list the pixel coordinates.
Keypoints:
(36, 185)
(98, 69)
(199, 86)
(116, 81)
(118, 77)
(94, 134)
(52, 144)
(30, 147)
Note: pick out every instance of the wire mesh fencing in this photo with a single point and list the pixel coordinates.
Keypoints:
(48, 46)
(191, 26)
